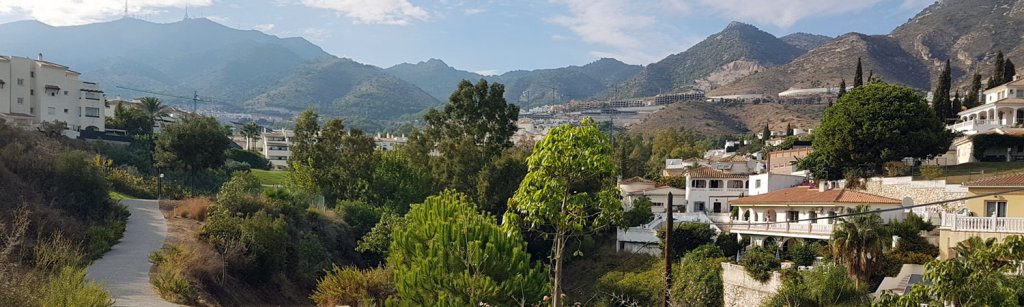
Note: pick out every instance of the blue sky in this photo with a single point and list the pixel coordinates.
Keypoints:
(493, 36)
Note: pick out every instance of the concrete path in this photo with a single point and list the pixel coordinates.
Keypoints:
(124, 270)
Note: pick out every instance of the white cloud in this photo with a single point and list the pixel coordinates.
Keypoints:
(391, 12)
(471, 12)
(76, 12)
(487, 72)
(784, 13)
(624, 28)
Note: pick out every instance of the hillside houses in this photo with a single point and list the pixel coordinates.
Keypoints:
(1001, 114)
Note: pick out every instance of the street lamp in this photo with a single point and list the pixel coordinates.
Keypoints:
(159, 186)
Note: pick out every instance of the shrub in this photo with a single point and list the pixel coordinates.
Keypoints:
(640, 288)
(69, 288)
(931, 172)
(81, 184)
(825, 285)
(801, 254)
(896, 168)
(354, 287)
(359, 215)
(640, 214)
(170, 279)
(729, 244)
(759, 263)
(57, 252)
(195, 208)
(687, 236)
(698, 281)
(101, 237)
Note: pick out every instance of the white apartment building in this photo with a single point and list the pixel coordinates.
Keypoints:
(277, 147)
(36, 91)
(389, 142)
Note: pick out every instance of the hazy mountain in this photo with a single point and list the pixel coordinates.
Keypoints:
(737, 50)
(433, 76)
(349, 89)
(805, 41)
(559, 85)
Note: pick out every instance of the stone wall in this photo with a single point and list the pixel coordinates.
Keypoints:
(741, 290)
(920, 191)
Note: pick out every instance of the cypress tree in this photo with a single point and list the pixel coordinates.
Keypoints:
(997, 71)
(1008, 71)
(940, 97)
(842, 89)
(858, 77)
(789, 129)
(766, 134)
(871, 76)
(955, 105)
(971, 99)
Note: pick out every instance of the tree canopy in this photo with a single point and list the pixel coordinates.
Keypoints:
(871, 125)
(194, 143)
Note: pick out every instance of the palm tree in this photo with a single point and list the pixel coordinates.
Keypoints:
(251, 132)
(857, 243)
(154, 109)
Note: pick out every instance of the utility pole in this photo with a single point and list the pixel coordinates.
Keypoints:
(668, 250)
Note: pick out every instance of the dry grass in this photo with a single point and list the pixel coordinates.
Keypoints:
(192, 208)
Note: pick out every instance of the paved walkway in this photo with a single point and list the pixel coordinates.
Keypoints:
(124, 270)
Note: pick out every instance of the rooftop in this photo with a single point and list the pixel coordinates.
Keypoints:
(1008, 180)
(710, 172)
(811, 195)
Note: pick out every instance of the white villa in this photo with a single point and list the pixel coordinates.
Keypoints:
(635, 188)
(36, 91)
(780, 215)
(709, 190)
(1001, 113)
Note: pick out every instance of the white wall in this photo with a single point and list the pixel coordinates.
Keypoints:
(764, 183)
(709, 195)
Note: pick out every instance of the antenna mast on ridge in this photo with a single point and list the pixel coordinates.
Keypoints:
(125, 8)
(186, 10)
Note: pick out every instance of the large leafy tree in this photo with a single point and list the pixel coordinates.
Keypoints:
(447, 254)
(331, 160)
(195, 143)
(981, 275)
(132, 120)
(567, 191)
(857, 243)
(472, 129)
(871, 125)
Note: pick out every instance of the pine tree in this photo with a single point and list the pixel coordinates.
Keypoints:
(956, 104)
(940, 97)
(1009, 71)
(971, 98)
(858, 77)
(842, 88)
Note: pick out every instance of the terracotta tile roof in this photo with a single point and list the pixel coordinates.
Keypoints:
(810, 195)
(1009, 180)
(675, 172)
(635, 180)
(709, 172)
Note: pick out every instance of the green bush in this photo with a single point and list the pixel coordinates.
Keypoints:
(801, 254)
(170, 279)
(729, 244)
(698, 280)
(640, 214)
(896, 168)
(69, 288)
(931, 172)
(686, 237)
(825, 285)
(359, 215)
(81, 185)
(354, 287)
(57, 252)
(759, 263)
(101, 237)
(641, 288)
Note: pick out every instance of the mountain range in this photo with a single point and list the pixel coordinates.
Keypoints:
(249, 71)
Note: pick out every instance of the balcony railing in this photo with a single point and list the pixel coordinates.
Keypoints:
(977, 125)
(983, 224)
(791, 228)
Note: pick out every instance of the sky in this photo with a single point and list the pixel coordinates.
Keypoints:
(493, 36)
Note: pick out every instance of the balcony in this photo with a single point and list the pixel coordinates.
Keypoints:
(983, 224)
(971, 127)
(809, 230)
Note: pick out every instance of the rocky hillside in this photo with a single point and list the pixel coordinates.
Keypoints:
(737, 50)
(560, 85)
(730, 118)
(968, 32)
(806, 41)
(827, 65)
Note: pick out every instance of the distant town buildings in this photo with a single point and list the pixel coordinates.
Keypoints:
(37, 91)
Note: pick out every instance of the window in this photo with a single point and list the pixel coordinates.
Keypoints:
(700, 184)
(831, 217)
(735, 184)
(813, 216)
(92, 112)
(792, 216)
(31, 92)
(757, 183)
(995, 209)
(21, 82)
(698, 206)
(32, 74)
(715, 184)
(51, 110)
(716, 207)
(65, 111)
(65, 93)
(21, 100)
